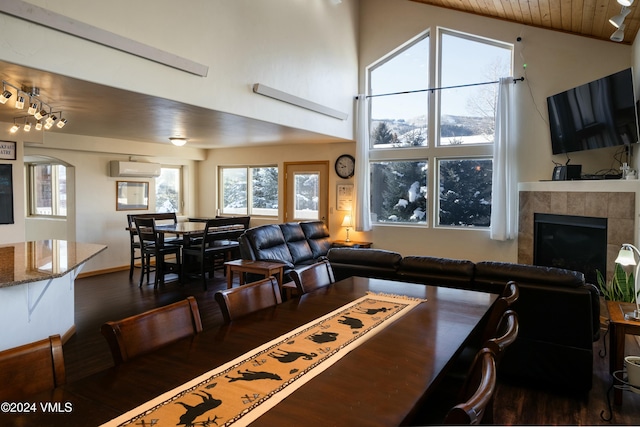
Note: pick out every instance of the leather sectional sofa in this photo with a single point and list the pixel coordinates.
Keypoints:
(559, 314)
(295, 244)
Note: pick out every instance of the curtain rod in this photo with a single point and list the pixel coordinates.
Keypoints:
(521, 79)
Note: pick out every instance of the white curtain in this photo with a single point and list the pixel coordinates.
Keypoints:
(362, 208)
(505, 193)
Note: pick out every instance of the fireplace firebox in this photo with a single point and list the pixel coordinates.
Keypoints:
(573, 242)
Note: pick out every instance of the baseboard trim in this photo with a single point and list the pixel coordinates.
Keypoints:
(99, 272)
(67, 335)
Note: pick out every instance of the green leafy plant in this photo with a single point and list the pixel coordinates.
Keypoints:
(621, 286)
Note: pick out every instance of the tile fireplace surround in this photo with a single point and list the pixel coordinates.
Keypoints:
(615, 200)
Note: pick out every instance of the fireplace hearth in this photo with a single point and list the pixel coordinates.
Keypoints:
(603, 200)
(573, 242)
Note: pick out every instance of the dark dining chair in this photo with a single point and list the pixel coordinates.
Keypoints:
(135, 246)
(153, 246)
(209, 252)
(478, 392)
(31, 368)
(149, 331)
(245, 299)
(312, 277)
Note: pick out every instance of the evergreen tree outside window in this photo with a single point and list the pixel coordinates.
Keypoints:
(168, 190)
(249, 190)
(400, 191)
(461, 204)
(451, 128)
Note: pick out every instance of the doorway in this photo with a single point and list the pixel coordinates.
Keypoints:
(306, 196)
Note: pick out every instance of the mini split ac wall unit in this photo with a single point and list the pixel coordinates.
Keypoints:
(134, 169)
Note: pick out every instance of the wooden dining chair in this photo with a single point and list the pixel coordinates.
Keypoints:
(509, 296)
(313, 277)
(153, 246)
(506, 334)
(478, 390)
(31, 368)
(239, 301)
(146, 332)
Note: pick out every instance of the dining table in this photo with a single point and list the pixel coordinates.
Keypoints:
(187, 231)
(381, 382)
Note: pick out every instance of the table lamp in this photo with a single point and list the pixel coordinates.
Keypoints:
(346, 222)
(626, 256)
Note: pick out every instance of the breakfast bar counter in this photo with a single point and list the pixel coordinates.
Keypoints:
(37, 282)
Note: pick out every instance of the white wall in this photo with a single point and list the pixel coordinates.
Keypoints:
(94, 211)
(305, 48)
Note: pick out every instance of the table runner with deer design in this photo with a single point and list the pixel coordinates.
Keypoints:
(239, 391)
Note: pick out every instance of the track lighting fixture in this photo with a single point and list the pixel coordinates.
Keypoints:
(33, 108)
(618, 35)
(625, 2)
(617, 20)
(36, 107)
(5, 95)
(40, 114)
(20, 102)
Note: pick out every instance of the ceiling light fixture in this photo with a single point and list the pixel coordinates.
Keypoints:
(625, 2)
(27, 126)
(5, 94)
(20, 102)
(33, 107)
(36, 107)
(178, 141)
(617, 20)
(618, 35)
(40, 114)
(14, 128)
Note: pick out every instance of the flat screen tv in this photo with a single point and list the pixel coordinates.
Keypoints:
(595, 115)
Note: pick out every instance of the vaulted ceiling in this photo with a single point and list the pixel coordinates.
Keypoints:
(589, 18)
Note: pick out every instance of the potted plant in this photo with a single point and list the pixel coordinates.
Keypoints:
(621, 286)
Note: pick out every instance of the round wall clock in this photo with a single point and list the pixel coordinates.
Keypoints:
(345, 166)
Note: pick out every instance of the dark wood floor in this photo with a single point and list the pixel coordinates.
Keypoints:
(113, 296)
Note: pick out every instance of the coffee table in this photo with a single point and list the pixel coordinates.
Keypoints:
(265, 268)
(618, 328)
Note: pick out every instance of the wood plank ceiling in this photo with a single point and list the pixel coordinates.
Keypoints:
(588, 18)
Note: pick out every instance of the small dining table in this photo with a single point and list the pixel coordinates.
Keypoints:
(379, 383)
(189, 230)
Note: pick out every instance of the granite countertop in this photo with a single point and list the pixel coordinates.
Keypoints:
(26, 262)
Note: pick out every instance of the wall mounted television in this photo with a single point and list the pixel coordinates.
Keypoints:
(598, 114)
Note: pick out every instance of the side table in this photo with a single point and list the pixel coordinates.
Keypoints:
(618, 328)
(242, 266)
(350, 244)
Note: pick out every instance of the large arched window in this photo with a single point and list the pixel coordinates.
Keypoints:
(432, 120)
